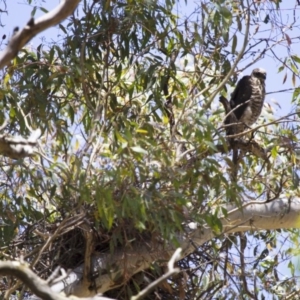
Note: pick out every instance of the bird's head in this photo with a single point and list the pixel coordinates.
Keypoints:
(259, 73)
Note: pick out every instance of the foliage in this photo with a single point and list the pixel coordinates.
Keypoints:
(130, 127)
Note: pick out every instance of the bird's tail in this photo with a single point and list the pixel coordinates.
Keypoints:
(234, 164)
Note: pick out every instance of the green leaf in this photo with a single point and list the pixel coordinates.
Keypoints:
(225, 12)
(234, 43)
(296, 58)
(295, 179)
(291, 266)
(214, 223)
(33, 11)
(139, 150)
(274, 151)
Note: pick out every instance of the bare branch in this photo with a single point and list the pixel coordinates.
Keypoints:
(281, 91)
(33, 27)
(38, 286)
(17, 147)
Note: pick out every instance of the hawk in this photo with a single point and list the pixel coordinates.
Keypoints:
(246, 101)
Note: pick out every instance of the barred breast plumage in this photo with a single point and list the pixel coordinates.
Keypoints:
(247, 101)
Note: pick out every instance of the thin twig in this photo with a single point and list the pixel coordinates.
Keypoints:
(154, 284)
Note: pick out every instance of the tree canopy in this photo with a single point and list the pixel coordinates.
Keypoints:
(114, 153)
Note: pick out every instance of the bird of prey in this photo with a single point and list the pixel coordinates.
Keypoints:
(246, 102)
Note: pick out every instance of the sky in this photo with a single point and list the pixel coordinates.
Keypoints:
(19, 13)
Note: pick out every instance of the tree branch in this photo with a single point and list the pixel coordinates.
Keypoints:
(38, 286)
(171, 271)
(33, 27)
(17, 147)
(280, 213)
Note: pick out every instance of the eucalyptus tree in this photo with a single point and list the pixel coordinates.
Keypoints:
(125, 156)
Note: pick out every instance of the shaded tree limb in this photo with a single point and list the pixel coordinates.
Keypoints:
(171, 271)
(169, 101)
(89, 247)
(246, 146)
